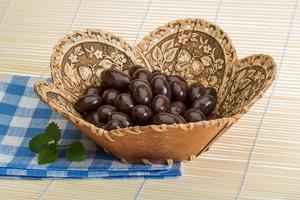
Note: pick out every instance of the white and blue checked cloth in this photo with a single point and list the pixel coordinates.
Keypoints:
(23, 115)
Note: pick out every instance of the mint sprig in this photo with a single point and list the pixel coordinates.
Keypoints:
(39, 142)
(47, 144)
(48, 154)
(75, 152)
(53, 132)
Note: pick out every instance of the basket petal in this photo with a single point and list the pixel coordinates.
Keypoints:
(254, 75)
(57, 100)
(91, 49)
(201, 41)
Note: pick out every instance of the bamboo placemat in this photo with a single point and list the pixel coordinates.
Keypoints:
(258, 158)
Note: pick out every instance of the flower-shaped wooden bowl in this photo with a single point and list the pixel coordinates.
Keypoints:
(192, 48)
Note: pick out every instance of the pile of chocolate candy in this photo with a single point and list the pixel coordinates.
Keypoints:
(142, 97)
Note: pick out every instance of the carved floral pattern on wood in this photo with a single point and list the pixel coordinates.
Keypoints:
(192, 48)
(253, 74)
(79, 58)
(84, 63)
(191, 56)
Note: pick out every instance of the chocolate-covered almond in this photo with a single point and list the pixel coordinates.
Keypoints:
(142, 74)
(179, 118)
(124, 102)
(160, 75)
(176, 78)
(104, 112)
(121, 117)
(211, 91)
(178, 90)
(141, 115)
(160, 86)
(135, 83)
(177, 107)
(210, 117)
(156, 71)
(93, 90)
(194, 115)
(142, 94)
(195, 90)
(93, 118)
(134, 68)
(160, 103)
(109, 96)
(205, 104)
(113, 124)
(164, 118)
(114, 78)
(85, 114)
(88, 103)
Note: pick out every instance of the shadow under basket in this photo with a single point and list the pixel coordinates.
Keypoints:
(192, 48)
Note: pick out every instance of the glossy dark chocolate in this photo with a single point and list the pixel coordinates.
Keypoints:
(142, 94)
(142, 97)
(164, 118)
(205, 104)
(156, 71)
(160, 103)
(141, 115)
(178, 90)
(121, 117)
(179, 118)
(93, 118)
(142, 74)
(194, 115)
(195, 90)
(124, 102)
(93, 90)
(177, 107)
(88, 103)
(159, 74)
(135, 83)
(134, 68)
(114, 78)
(211, 91)
(176, 78)
(114, 124)
(104, 112)
(109, 96)
(160, 86)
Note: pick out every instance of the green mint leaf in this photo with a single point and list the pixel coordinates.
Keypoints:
(76, 152)
(48, 155)
(53, 131)
(39, 142)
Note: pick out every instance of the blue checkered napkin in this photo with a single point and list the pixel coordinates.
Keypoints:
(23, 115)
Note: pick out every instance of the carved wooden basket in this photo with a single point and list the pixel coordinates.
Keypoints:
(192, 48)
